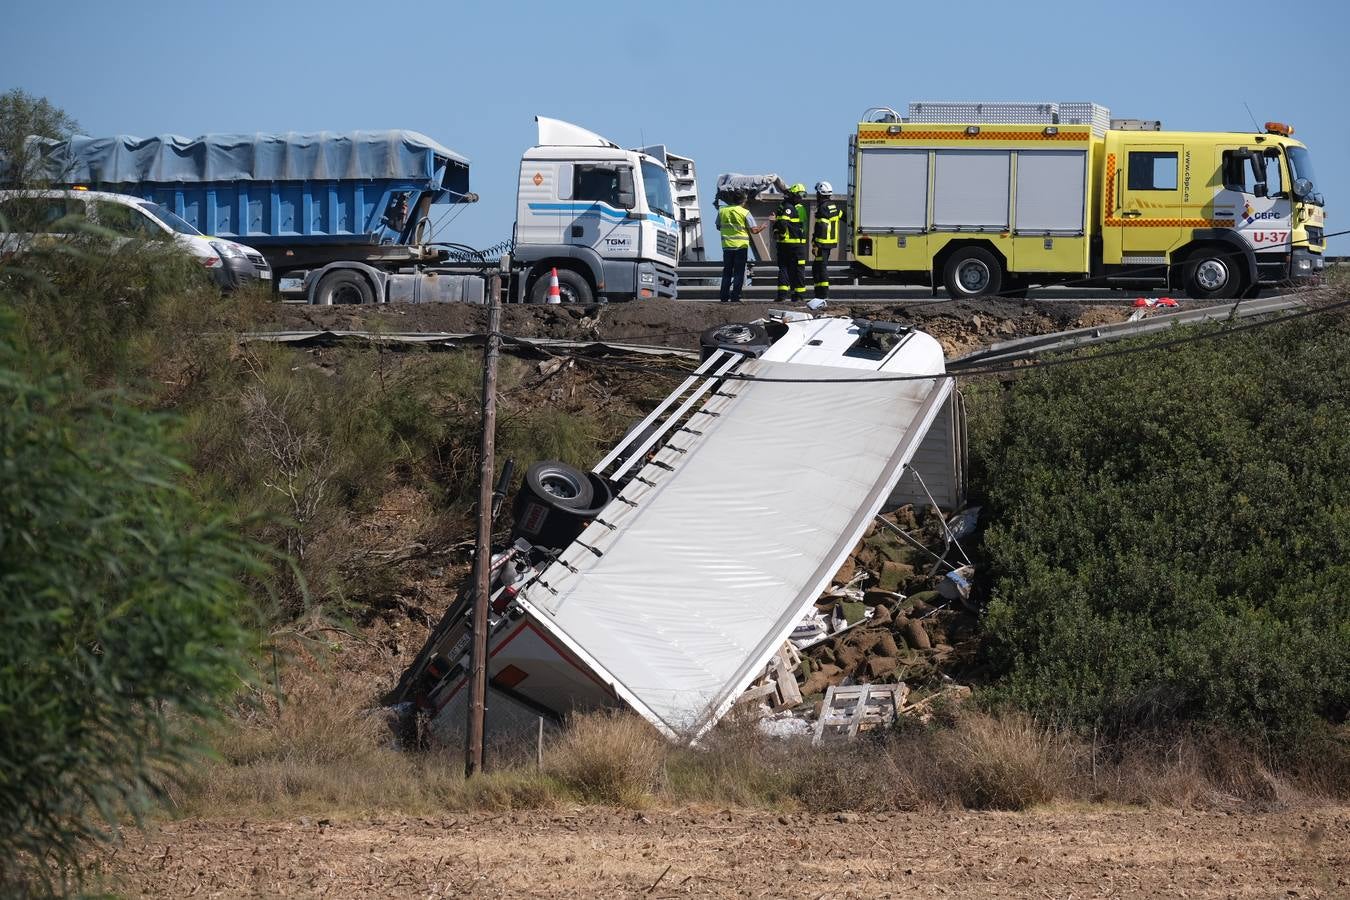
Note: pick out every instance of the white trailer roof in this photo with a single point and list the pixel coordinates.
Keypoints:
(687, 585)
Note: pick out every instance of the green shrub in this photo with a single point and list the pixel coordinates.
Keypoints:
(119, 596)
(1170, 537)
(92, 301)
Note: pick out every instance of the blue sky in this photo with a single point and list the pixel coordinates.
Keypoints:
(739, 86)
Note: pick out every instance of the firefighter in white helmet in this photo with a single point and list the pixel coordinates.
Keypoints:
(825, 236)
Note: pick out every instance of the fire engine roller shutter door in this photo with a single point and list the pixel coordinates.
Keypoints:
(970, 190)
(1050, 191)
(893, 190)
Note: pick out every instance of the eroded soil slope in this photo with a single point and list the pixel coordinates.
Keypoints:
(959, 326)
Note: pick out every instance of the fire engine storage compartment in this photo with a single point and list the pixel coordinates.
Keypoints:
(972, 191)
(674, 599)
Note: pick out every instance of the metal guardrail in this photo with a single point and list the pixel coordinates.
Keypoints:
(1024, 348)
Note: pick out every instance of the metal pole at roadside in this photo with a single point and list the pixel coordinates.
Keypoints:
(482, 559)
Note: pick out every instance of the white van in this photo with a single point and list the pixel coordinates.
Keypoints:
(54, 212)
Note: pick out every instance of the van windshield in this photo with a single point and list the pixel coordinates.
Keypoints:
(656, 185)
(173, 220)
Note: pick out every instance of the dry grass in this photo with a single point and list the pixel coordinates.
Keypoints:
(609, 758)
(318, 750)
(1004, 763)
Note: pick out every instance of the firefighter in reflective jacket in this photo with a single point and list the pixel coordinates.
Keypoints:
(826, 236)
(789, 234)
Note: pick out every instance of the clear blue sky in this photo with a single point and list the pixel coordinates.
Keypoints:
(739, 86)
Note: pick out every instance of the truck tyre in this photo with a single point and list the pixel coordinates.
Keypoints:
(1211, 273)
(559, 485)
(556, 503)
(972, 272)
(572, 287)
(343, 286)
(738, 337)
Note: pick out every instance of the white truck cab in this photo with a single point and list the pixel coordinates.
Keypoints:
(603, 216)
(48, 215)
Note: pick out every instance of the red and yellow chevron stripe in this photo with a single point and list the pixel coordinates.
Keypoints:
(880, 134)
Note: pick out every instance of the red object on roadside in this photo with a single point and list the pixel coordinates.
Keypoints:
(554, 294)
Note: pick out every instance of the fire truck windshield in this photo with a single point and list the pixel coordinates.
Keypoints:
(1300, 160)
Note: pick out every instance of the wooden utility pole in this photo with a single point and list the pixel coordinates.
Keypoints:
(482, 558)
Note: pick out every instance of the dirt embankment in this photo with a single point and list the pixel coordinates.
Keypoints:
(602, 853)
(960, 327)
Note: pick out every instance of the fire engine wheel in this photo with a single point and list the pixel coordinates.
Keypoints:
(972, 272)
(559, 486)
(1210, 275)
(343, 287)
(572, 288)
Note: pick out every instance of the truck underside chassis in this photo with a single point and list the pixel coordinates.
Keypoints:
(358, 283)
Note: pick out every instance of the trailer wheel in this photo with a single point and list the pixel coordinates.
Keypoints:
(572, 287)
(556, 502)
(738, 337)
(972, 272)
(343, 287)
(559, 485)
(1209, 274)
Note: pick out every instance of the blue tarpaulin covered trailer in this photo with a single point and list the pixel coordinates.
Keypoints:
(293, 189)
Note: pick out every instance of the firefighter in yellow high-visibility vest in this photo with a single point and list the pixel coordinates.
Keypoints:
(789, 234)
(825, 236)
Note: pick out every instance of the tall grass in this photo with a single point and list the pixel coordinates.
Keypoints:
(319, 751)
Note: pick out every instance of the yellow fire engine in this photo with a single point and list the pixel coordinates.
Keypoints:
(990, 198)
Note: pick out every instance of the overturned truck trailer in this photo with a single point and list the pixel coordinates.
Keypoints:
(732, 505)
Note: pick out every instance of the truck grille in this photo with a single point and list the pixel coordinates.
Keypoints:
(667, 244)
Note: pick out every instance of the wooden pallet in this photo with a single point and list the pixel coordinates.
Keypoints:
(777, 688)
(851, 709)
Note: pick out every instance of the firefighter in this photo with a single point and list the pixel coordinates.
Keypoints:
(789, 234)
(825, 236)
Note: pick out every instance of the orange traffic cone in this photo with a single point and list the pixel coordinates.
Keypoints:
(554, 295)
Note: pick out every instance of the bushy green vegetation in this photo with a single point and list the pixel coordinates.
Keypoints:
(1170, 537)
(119, 600)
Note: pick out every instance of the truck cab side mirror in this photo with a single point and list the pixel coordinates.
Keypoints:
(1259, 188)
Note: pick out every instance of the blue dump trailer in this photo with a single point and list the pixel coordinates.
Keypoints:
(303, 199)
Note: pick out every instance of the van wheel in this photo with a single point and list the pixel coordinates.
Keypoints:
(571, 286)
(343, 287)
(1211, 275)
(972, 272)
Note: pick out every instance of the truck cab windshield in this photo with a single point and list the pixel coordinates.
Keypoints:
(1300, 160)
(656, 185)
